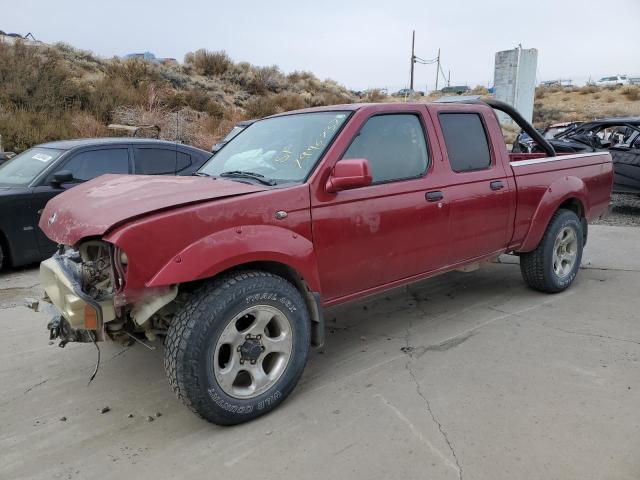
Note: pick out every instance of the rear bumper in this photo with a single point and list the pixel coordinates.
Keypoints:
(62, 285)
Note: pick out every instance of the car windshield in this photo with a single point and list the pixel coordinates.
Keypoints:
(283, 149)
(23, 168)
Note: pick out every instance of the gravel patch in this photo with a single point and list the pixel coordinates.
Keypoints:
(625, 211)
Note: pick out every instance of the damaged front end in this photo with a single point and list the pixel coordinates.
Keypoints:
(86, 286)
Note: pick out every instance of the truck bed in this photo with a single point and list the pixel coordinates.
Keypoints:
(536, 175)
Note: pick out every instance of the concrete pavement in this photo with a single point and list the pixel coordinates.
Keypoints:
(464, 376)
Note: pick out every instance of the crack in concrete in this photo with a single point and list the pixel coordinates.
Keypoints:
(409, 350)
(36, 385)
(595, 335)
(427, 403)
(571, 332)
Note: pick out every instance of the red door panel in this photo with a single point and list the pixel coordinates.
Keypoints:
(369, 237)
(481, 201)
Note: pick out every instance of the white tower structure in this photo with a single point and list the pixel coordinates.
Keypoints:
(514, 80)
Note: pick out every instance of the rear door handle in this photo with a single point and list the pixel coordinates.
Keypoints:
(435, 196)
(497, 185)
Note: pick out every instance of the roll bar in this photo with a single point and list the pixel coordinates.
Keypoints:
(522, 123)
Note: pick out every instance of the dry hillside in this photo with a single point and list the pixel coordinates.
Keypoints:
(564, 104)
(53, 92)
(49, 92)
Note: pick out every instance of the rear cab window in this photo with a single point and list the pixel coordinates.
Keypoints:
(395, 146)
(466, 141)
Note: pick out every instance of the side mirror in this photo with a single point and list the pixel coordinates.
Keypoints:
(63, 176)
(351, 173)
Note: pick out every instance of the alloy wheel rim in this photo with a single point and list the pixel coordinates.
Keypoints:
(253, 351)
(565, 252)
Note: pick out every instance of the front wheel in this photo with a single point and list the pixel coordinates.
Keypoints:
(553, 265)
(238, 347)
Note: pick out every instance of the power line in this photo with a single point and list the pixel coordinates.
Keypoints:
(416, 59)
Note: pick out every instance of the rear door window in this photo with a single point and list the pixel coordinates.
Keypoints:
(93, 163)
(466, 141)
(155, 161)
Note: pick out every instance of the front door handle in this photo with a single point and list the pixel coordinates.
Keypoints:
(496, 185)
(435, 196)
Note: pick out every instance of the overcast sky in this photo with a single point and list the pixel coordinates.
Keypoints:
(361, 44)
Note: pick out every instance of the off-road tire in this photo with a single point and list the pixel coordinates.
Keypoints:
(191, 339)
(537, 266)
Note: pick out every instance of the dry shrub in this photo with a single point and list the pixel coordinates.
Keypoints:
(610, 99)
(289, 101)
(479, 90)
(540, 93)
(208, 63)
(87, 126)
(374, 95)
(54, 92)
(258, 107)
(133, 72)
(588, 89)
(259, 80)
(543, 116)
(632, 92)
(36, 81)
(21, 129)
(208, 130)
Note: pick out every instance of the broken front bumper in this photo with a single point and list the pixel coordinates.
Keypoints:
(61, 280)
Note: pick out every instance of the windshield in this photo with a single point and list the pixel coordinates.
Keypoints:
(23, 168)
(280, 148)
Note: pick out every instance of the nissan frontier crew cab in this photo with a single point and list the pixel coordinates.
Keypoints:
(302, 211)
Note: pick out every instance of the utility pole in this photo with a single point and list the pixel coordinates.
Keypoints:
(413, 58)
(449, 79)
(438, 70)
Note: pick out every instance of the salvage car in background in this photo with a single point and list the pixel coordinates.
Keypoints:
(305, 210)
(524, 142)
(29, 180)
(618, 136)
(615, 80)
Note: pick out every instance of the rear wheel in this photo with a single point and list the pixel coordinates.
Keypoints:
(553, 265)
(238, 347)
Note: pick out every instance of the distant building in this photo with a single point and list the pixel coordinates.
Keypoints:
(150, 57)
(515, 80)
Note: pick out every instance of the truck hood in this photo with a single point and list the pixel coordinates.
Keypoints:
(93, 208)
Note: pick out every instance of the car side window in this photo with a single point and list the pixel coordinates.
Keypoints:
(155, 161)
(394, 145)
(466, 141)
(183, 162)
(87, 165)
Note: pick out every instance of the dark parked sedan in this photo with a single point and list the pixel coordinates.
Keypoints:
(30, 179)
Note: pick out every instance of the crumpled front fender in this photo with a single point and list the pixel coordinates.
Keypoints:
(232, 247)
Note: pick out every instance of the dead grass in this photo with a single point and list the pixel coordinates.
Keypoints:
(584, 103)
(55, 92)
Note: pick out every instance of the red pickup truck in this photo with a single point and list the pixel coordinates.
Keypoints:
(302, 211)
